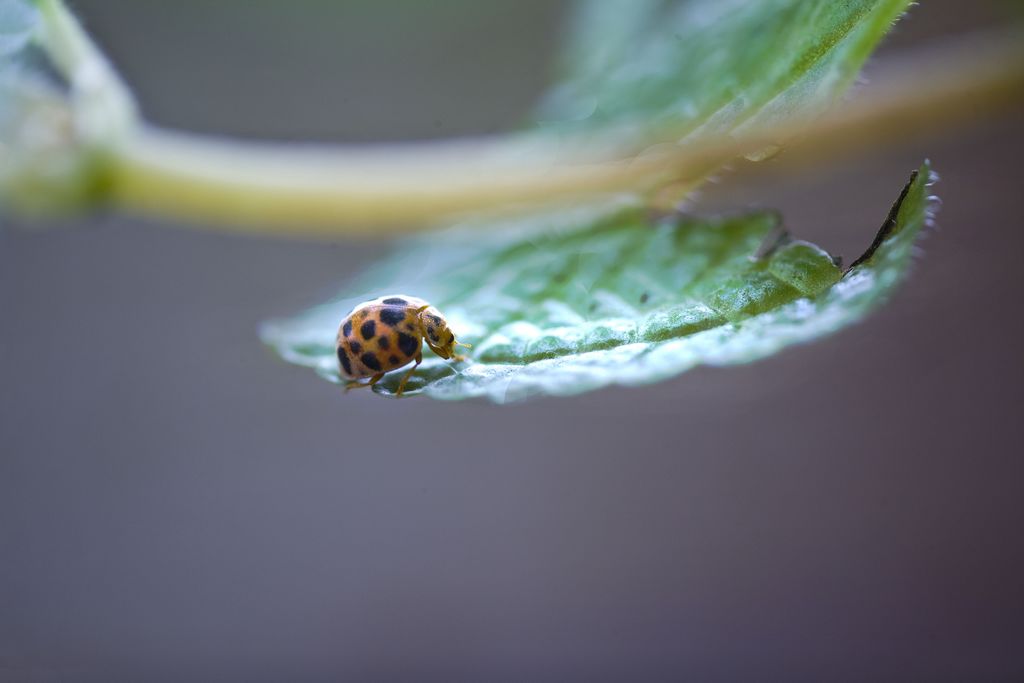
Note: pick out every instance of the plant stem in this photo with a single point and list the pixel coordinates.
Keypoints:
(343, 190)
(103, 106)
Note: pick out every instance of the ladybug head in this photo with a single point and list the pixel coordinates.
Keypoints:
(437, 334)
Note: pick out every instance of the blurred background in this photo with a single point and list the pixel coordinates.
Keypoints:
(178, 505)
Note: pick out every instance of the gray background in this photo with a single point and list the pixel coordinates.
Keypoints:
(177, 505)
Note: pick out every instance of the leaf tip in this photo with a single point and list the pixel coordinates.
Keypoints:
(914, 192)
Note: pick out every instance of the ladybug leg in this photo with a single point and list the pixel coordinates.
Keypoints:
(356, 384)
(458, 357)
(401, 385)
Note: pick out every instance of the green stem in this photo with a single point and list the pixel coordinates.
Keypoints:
(104, 108)
(334, 190)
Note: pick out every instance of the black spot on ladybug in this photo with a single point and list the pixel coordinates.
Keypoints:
(356, 347)
(368, 329)
(346, 365)
(408, 344)
(346, 330)
(644, 297)
(434, 319)
(394, 360)
(432, 331)
(384, 343)
(370, 361)
(395, 301)
(392, 316)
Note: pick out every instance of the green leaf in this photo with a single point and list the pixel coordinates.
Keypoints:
(582, 300)
(711, 66)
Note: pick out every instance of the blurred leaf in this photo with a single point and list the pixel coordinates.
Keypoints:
(44, 163)
(18, 21)
(711, 66)
(574, 302)
(44, 166)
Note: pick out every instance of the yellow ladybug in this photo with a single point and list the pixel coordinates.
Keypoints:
(387, 333)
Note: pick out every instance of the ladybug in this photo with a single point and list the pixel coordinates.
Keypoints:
(387, 333)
